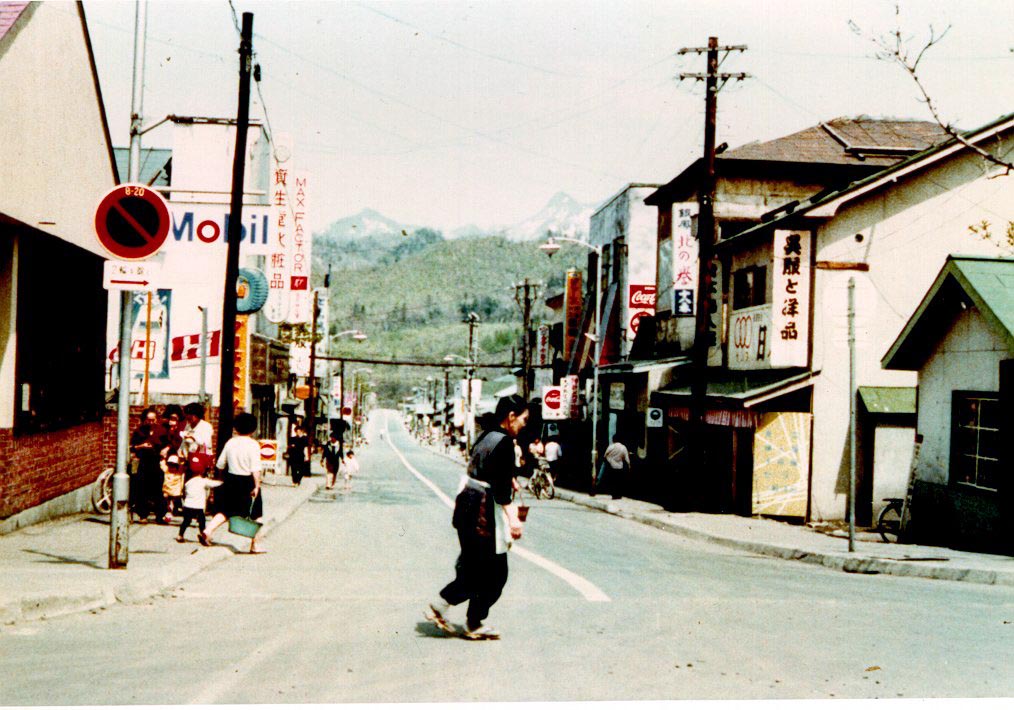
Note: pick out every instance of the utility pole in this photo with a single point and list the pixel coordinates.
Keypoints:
(703, 334)
(473, 323)
(311, 403)
(530, 292)
(119, 515)
(447, 392)
(852, 414)
(228, 345)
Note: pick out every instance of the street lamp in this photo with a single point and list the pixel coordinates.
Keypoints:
(550, 247)
(358, 410)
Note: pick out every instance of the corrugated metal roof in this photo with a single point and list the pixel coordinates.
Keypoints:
(987, 282)
(888, 400)
(9, 14)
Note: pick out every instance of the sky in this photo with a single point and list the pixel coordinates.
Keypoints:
(477, 112)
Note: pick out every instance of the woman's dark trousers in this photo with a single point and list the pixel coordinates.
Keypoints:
(480, 576)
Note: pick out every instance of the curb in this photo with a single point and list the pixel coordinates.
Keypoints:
(43, 606)
(845, 562)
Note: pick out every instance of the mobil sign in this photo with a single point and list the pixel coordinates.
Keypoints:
(200, 225)
(552, 403)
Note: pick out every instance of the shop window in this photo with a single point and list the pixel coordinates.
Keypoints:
(975, 439)
(61, 334)
(749, 287)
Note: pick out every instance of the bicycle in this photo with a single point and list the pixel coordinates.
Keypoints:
(541, 483)
(889, 521)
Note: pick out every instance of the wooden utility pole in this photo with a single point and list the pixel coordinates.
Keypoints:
(703, 333)
(525, 302)
(228, 346)
(473, 323)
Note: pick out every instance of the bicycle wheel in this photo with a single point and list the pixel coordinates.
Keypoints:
(550, 487)
(102, 492)
(889, 522)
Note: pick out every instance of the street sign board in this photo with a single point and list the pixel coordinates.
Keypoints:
(552, 403)
(132, 221)
(130, 275)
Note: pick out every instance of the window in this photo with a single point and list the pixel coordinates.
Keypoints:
(749, 287)
(975, 439)
(61, 327)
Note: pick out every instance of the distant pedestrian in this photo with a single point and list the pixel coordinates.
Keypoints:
(195, 499)
(486, 521)
(240, 494)
(331, 456)
(615, 467)
(554, 457)
(298, 455)
(350, 468)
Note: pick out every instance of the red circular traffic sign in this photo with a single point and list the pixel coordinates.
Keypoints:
(132, 221)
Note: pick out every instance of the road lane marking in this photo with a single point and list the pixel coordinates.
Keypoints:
(588, 590)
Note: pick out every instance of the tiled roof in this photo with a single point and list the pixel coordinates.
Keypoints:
(9, 14)
(846, 141)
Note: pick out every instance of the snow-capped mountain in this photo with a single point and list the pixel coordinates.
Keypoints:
(366, 223)
(562, 215)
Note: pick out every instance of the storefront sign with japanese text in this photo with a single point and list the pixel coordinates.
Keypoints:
(278, 261)
(790, 307)
(301, 306)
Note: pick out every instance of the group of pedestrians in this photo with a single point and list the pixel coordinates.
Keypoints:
(174, 467)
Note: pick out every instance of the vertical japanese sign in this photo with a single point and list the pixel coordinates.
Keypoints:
(301, 305)
(790, 307)
(241, 371)
(542, 349)
(573, 304)
(277, 263)
(570, 390)
(684, 260)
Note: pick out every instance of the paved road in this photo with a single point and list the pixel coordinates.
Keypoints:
(596, 607)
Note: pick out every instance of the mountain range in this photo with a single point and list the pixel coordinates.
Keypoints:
(562, 214)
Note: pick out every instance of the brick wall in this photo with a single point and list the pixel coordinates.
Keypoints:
(109, 429)
(39, 467)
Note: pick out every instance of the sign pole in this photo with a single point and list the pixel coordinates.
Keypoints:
(119, 516)
(147, 347)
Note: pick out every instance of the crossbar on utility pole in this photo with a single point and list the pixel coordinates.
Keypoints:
(228, 345)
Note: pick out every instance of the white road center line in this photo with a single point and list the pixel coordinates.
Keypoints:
(588, 590)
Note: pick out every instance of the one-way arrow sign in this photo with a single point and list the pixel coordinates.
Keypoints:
(130, 275)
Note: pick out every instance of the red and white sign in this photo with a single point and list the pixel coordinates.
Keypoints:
(278, 263)
(571, 388)
(269, 450)
(132, 221)
(640, 303)
(552, 403)
(301, 300)
(130, 275)
(790, 305)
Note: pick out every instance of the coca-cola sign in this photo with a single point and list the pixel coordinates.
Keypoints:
(552, 403)
(642, 297)
(553, 398)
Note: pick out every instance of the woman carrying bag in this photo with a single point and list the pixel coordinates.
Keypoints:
(487, 521)
(240, 492)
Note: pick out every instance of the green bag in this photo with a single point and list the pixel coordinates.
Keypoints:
(244, 525)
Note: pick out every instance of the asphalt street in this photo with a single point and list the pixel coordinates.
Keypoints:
(596, 608)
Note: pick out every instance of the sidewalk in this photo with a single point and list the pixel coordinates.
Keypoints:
(773, 538)
(61, 566)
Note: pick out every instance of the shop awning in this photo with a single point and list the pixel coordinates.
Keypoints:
(642, 366)
(888, 400)
(743, 388)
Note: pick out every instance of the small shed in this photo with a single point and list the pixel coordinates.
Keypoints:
(961, 341)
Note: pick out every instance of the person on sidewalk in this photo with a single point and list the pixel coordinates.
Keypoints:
(554, 457)
(197, 434)
(146, 443)
(240, 494)
(172, 486)
(331, 456)
(195, 499)
(486, 521)
(350, 468)
(299, 462)
(615, 465)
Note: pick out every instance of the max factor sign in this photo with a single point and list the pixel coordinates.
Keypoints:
(197, 225)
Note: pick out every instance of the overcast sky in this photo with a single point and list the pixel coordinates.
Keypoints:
(448, 113)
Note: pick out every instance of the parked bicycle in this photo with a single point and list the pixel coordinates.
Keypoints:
(541, 483)
(102, 492)
(889, 522)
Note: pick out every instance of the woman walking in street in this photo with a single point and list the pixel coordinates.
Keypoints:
(299, 462)
(486, 521)
(240, 492)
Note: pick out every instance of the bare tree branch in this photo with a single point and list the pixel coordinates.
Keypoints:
(894, 48)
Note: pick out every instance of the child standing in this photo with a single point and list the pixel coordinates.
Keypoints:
(195, 497)
(351, 468)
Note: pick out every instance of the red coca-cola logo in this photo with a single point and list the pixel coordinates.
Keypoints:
(553, 398)
(642, 296)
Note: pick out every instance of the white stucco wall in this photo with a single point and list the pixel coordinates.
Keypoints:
(625, 215)
(907, 232)
(54, 159)
(968, 358)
